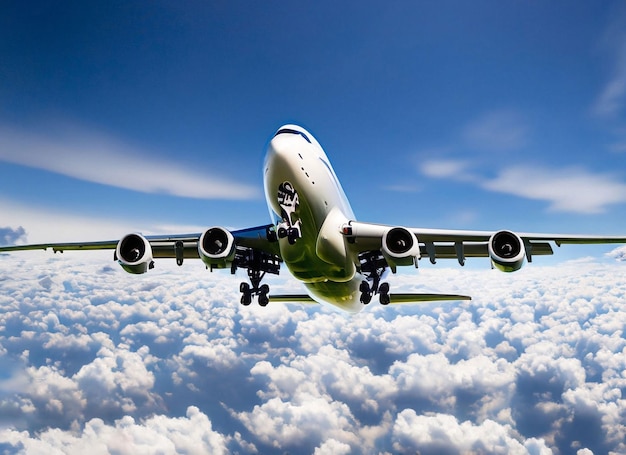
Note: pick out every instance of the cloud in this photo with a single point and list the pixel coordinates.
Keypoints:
(618, 253)
(438, 433)
(448, 168)
(99, 158)
(45, 225)
(192, 434)
(574, 190)
(612, 98)
(499, 130)
(171, 360)
(10, 236)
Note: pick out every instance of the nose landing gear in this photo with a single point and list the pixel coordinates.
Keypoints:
(288, 200)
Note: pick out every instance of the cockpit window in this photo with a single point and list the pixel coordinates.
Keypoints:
(290, 131)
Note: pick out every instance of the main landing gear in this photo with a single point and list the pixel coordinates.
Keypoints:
(257, 263)
(373, 266)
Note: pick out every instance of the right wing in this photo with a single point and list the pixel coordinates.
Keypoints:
(460, 244)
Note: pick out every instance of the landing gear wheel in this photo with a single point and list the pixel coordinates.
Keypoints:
(366, 292)
(246, 299)
(383, 292)
(373, 266)
(264, 290)
(257, 263)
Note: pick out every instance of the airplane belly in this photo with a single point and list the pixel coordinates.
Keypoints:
(345, 296)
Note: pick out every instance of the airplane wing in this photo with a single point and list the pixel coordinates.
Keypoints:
(505, 248)
(166, 246)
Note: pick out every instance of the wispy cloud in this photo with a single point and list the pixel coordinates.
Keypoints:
(612, 97)
(445, 168)
(43, 225)
(574, 190)
(498, 130)
(99, 158)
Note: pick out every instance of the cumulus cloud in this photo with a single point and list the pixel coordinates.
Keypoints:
(191, 434)
(618, 253)
(10, 236)
(99, 158)
(171, 362)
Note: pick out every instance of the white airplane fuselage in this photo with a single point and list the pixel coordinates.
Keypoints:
(309, 208)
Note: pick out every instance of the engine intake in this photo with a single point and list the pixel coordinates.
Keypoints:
(400, 246)
(506, 250)
(216, 247)
(134, 254)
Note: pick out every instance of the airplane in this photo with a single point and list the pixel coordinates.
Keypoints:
(341, 261)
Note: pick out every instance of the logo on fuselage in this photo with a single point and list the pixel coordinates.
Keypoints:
(290, 225)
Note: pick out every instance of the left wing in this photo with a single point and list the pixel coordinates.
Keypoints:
(219, 244)
(506, 249)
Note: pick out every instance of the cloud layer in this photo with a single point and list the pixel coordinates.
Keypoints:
(91, 356)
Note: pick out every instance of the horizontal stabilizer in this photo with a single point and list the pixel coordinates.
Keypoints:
(292, 298)
(395, 298)
(416, 298)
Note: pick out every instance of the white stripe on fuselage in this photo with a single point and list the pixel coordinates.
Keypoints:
(319, 258)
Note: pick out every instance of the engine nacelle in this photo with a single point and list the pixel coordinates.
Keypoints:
(134, 254)
(400, 246)
(507, 251)
(216, 248)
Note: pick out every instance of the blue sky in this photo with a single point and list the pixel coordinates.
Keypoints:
(462, 115)
(116, 117)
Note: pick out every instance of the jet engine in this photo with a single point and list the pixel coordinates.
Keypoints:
(400, 246)
(506, 250)
(216, 248)
(134, 254)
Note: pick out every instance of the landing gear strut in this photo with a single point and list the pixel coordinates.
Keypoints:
(257, 263)
(373, 266)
